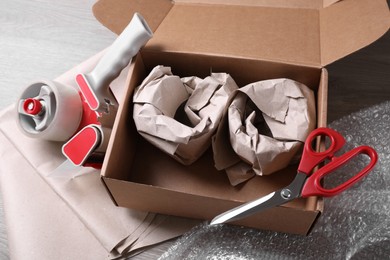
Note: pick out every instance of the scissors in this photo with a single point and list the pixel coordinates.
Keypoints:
(307, 183)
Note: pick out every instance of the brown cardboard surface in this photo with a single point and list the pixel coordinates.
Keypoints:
(311, 4)
(295, 220)
(275, 34)
(116, 14)
(350, 25)
(299, 35)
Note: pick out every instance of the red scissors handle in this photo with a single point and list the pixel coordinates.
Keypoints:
(311, 158)
(313, 186)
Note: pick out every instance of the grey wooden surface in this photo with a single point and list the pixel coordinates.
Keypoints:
(44, 38)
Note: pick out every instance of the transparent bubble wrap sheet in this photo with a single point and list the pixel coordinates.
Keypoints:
(354, 225)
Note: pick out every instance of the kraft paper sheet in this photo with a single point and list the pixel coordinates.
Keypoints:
(57, 212)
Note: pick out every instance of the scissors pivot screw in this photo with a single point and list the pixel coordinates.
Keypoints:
(285, 193)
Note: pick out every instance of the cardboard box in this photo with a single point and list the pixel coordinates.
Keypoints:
(251, 40)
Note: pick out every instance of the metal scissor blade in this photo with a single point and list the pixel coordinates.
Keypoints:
(247, 209)
(273, 199)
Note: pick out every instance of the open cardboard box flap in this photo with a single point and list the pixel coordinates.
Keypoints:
(251, 40)
(304, 32)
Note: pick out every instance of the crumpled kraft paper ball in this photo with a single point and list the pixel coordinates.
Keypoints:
(263, 128)
(179, 116)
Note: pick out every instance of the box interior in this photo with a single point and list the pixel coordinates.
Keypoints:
(149, 166)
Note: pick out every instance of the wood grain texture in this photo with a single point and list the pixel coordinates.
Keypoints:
(360, 80)
(44, 38)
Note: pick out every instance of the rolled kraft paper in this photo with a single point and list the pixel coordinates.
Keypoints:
(266, 123)
(179, 116)
(61, 111)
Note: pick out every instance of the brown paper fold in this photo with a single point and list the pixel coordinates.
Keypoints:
(179, 116)
(263, 128)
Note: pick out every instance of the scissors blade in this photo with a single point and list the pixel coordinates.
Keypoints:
(273, 199)
(244, 210)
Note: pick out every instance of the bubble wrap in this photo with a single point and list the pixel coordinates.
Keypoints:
(354, 224)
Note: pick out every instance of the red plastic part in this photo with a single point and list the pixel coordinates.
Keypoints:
(80, 147)
(313, 185)
(89, 117)
(311, 158)
(87, 92)
(32, 106)
(93, 165)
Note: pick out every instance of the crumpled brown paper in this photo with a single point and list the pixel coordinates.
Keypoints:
(263, 128)
(179, 116)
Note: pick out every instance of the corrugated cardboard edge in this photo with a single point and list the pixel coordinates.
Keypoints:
(130, 77)
(317, 203)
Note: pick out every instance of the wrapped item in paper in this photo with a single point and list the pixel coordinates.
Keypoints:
(263, 128)
(179, 116)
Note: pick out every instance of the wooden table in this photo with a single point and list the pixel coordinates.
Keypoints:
(43, 39)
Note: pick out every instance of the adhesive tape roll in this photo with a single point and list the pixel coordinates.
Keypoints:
(49, 110)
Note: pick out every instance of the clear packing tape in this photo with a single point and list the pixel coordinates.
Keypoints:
(354, 224)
